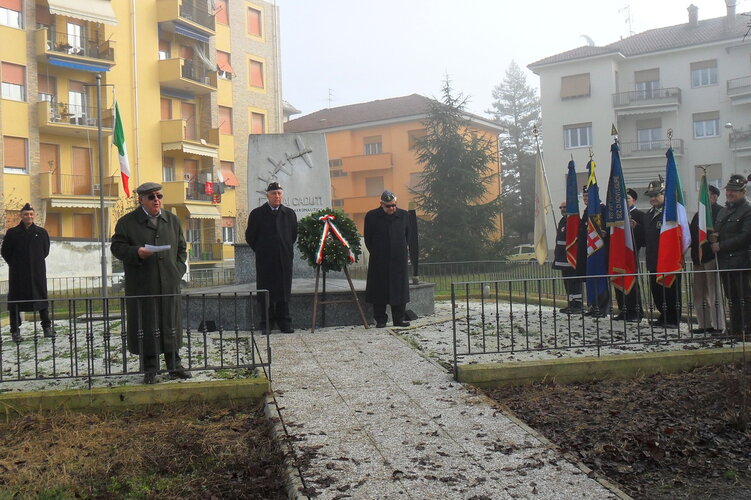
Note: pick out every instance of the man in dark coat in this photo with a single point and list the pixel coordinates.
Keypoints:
(271, 233)
(731, 242)
(667, 300)
(386, 237)
(572, 285)
(710, 314)
(151, 244)
(24, 248)
(630, 304)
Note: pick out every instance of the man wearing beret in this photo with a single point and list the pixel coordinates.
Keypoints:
(155, 274)
(731, 242)
(271, 233)
(24, 248)
(710, 314)
(387, 239)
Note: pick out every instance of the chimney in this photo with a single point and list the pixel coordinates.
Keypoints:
(731, 4)
(693, 15)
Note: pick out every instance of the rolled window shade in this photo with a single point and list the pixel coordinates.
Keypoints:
(575, 86)
(14, 152)
(12, 4)
(703, 65)
(13, 73)
(647, 75)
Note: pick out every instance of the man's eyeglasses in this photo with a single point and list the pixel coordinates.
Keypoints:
(153, 197)
(389, 205)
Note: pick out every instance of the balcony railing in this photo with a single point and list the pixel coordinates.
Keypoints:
(740, 139)
(197, 12)
(77, 45)
(738, 86)
(55, 184)
(670, 95)
(650, 148)
(196, 71)
(196, 191)
(77, 114)
(205, 251)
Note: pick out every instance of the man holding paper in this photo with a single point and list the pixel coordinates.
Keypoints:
(151, 244)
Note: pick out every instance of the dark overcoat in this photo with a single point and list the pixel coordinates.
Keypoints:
(733, 228)
(272, 238)
(560, 262)
(387, 240)
(159, 274)
(25, 250)
(652, 228)
(637, 216)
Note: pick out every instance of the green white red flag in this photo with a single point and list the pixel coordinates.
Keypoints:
(119, 142)
(705, 213)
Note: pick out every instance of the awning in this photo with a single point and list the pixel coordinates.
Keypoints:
(65, 63)
(202, 212)
(77, 203)
(230, 179)
(191, 149)
(98, 11)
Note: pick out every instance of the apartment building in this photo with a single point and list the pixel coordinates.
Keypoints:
(692, 80)
(192, 78)
(371, 148)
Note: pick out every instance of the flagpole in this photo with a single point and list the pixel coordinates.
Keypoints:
(536, 133)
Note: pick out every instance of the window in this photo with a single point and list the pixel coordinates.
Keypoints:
(221, 14)
(166, 108)
(168, 169)
(704, 73)
(373, 186)
(224, 69)
(414, 136)
(257, 123)
(76, 41)
(228, 230)
(337, 173)
(11, 13)
(256, 74)
(225, 120)
(47, 88)
(575, 86)
(15, 155)
(647, 82)
(649, 134)
(335, 163)
(337, 203)
(373, 145)
(714, 175)
(164, 50)
(706, 125)
(577, 136)
(254, 22)
(13, 82)
(53, 225)
(83, 226)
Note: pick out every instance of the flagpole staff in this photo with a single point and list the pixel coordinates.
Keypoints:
(536, 133)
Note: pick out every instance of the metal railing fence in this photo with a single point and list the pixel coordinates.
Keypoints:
(514, 315)
(89, 336)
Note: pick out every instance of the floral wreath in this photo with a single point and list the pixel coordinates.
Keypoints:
(328, 238)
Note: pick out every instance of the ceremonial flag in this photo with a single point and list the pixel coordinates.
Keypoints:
(675, 237)
(597, 255)
(542, 205)
(572, 215)
(705, 213)
(621, 254)
(119, 141)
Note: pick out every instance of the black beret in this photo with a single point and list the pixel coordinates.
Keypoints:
(714, 190)
(26, 208)
(632, 193)
(274, 186)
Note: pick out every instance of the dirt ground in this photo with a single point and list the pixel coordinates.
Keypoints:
(166, 452)
(679, 436)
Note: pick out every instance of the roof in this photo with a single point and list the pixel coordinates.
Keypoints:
(410, 107)
(719, 29)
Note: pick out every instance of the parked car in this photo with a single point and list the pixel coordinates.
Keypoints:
(522, 253)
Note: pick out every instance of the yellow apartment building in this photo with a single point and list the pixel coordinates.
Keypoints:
(371, 148)
(192, 79)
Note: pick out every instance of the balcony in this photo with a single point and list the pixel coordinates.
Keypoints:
(67, 190)
(649, 149)
(740, 141)
(73, 51)
(647, 101)
(185, 75)
(363, 163)
(360, 204)
(60, 118)
(189, 17)
(189, 191)
(739, 90)
(205, 252)
(177, 136)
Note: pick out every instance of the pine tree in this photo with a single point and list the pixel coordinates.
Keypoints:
(517, 108)
(459, 166)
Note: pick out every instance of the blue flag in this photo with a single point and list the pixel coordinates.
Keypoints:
(597, 251)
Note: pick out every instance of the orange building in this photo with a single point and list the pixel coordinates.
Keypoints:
(371, 148)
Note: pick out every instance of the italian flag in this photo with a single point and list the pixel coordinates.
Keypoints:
(705, 213)
(119, 142)
(675, 237)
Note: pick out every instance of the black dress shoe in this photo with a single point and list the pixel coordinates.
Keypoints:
(700, 330)
(180, 372)
(619, 317)
(286, 328)
(47, 331)
(401, 323)
(633, 319)
(672, 326)
(380, 324)
(149, 378)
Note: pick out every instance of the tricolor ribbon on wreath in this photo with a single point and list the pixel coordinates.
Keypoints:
(328, 225)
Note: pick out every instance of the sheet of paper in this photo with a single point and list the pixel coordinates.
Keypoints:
(157, 248)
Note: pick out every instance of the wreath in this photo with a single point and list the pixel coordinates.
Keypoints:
(334, 255)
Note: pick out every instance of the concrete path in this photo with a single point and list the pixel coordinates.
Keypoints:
(371, 418)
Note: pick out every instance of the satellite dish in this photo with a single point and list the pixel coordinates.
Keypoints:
(588, 40)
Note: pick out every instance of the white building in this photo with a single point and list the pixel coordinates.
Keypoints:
(693, 79)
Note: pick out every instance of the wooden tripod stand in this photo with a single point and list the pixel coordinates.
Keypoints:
(354, 299)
